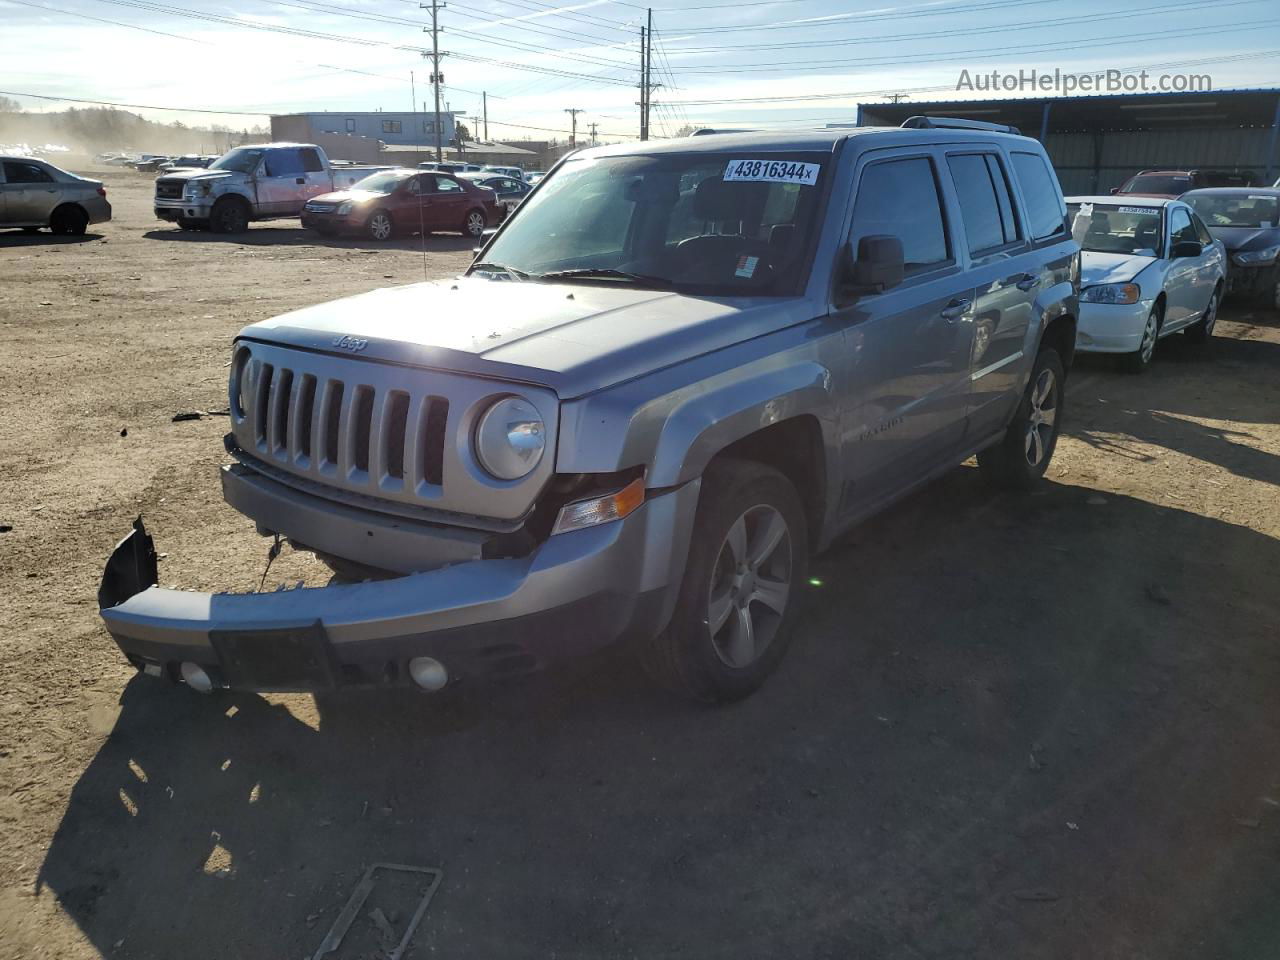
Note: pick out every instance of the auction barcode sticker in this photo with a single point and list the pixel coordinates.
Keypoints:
(1151, 211)
(772, 171)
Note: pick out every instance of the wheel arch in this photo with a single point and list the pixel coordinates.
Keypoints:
(68, 206)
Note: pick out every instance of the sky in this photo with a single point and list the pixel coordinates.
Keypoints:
(763, 63)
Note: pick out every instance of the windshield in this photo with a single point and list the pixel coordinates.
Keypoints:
(241, 160)
(383, 182)
(1157, 184)
(1115, 229)
(711, 224)
(1237, 210)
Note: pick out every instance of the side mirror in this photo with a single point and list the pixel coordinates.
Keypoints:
(878, 266)
(1114, 191)
(1186, 248)
(485, 236)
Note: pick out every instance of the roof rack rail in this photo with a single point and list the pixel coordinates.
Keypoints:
(706, 131)
(956, 123)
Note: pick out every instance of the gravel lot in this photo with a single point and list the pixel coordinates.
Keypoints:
(1012, 726)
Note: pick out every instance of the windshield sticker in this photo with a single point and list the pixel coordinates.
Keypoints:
(772, 171)
(747, 267)
(1149, 211)
(1255, 197)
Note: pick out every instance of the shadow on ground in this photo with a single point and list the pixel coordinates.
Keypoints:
(17, 238)
(291, 236)
(1010, 726)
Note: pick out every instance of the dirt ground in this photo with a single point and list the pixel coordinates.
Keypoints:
(1040, 726)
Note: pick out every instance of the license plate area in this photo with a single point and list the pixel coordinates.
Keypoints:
(283, 659)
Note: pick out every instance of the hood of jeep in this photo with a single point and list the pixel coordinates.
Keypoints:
(575, 338)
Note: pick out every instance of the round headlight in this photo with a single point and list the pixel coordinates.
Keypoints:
(511, 438)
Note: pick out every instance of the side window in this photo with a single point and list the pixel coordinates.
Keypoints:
(284, 163)
(1046, 211)
(15, 171)
(985, 207)
(447, 185)
(1180, 228)
(1202, 232)
(900, 198)
(413, 187)
(311, 161)
(391, 126)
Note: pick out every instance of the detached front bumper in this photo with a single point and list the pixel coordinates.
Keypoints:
(575, 593)
(1111, 327)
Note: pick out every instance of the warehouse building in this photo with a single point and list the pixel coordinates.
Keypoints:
(399, 129)
(1098, 142)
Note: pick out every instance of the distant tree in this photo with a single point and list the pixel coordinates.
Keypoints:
(9, 105)
(461, 132)
(686, 130)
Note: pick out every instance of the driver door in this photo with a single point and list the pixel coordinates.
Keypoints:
(1186, 290)
(281, 183)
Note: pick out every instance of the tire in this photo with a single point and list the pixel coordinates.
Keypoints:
(1020, 459)
(30, 230)
(473, 225)
(186, 224)
(740, 501)
(229, 215)
(69, 221)
(1202, 329)
(1140, 360)
(379, 226)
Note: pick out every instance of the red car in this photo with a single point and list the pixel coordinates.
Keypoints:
(404, 202)
(1172, 184)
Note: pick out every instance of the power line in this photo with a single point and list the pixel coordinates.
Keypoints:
(134, 106)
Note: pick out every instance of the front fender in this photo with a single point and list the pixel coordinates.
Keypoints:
(705, 423)
(1060, 300)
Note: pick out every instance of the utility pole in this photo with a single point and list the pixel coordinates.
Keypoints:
(437, 77)
(644, 84)
(895, 97)
(573, 124)
(593, 134)
(484, 99)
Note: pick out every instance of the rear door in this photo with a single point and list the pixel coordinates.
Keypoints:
(448, 203)
(282, 182)
(315, 173)
(903, 411)
(1003, 270)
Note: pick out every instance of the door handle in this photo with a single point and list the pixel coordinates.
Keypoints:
(1023, 281)
(956, 308)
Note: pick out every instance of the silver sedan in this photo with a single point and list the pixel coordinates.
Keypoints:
(1149, 268)
(35, 194)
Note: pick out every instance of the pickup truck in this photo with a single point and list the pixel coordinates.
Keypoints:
(268, 181)
(674, 372)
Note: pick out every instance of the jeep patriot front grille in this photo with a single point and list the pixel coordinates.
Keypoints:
(395, 433)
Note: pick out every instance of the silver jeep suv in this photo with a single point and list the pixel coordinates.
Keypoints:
(678, 370)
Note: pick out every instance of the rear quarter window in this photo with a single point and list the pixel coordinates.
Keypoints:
(1046, 210)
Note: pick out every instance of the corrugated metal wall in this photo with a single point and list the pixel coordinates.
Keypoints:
(1119, 155)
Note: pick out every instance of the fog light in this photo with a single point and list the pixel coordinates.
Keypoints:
(195, 677)
(427, 673)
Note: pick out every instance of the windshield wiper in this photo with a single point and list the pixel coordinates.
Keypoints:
(486, 266)
(604, 273)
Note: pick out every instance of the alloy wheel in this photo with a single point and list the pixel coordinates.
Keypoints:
(1148, 347)
(1043, 418)
(380, 226)
(1211, 314)
(750, 586)
(475, 224)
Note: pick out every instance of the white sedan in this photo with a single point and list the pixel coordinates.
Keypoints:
(1149, 268)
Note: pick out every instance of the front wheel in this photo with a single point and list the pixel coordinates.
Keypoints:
(1202, 329)
(378, 226)
(746, 566)
(229, 215)
(1022, 457)
(474, 224)
(1140, 360)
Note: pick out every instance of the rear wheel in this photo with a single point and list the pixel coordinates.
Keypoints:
(1021, 458)
(69, 221)
(30, 229)
(229, 215)
(1140, 360)
(379, 226)
(747, 560)
(474, 224)
(1202, 329)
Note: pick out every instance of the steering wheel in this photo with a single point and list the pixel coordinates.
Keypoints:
(715, 256)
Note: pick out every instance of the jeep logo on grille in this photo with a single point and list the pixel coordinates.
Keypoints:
(354, 344)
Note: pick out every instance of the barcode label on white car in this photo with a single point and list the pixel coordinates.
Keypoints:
(1153, 211)
(772, 171)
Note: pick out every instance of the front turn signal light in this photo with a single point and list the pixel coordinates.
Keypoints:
(605, 509)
